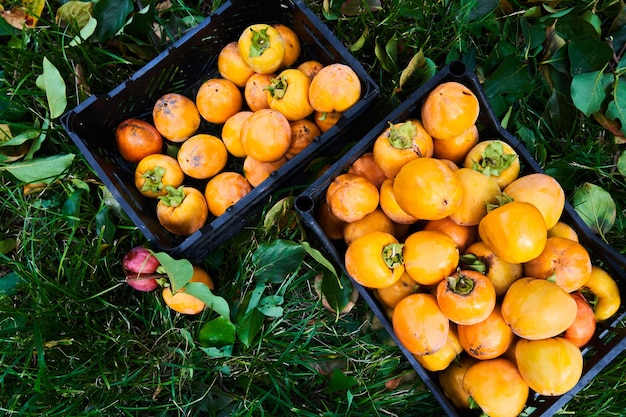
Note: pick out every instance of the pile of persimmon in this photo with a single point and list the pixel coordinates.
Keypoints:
(480, 278)
(268, 107)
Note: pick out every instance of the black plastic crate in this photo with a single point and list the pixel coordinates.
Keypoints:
(610, 338)
(181, 69)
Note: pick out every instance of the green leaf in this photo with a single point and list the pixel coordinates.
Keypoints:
(203, 293)
(596, 208)
(588, 90)
(75, 11)
(71, 206)
(111, 16)
(337, 291)
(248, 321)
(587, 55)
(621, 164)
(104, 224)
(511, 76)
(53, 84)
(179, 271)
(340, 382)
(7, 245)
(44, 169)
(321, 259)
(356, 46)
(218, 332)
(9, 283)
(86, 31)
(616, 109)
(559, 112)
(270, 305)
(277, 259)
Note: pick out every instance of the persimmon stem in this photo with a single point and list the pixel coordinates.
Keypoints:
(392, 255)
(260, 42)
(153, 179)
(401, 137)
(461, 284)
(473, 262)
(174, 197)
(493, 160)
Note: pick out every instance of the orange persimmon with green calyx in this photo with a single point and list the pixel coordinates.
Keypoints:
(335, 88)
(497, 387)
(202, 156)
(374, 260)
(449, 110)
(182, 211)
(217, 99)
(451, 381)
(292, 44)
(564, 260)
(262, 48)
(326, 120)
(136, 139)
(536, 308)
(419, 324)
(176, 117)
(266, 135)
(487, 339)
(184, 303)
(456, 149)
(365, 166)
(466, 297)
(494, 158)
(289, 94)
(255, 93)
(515, 231)
(478, 191)
(389, 204)
(399, 144)
(441, 359)
(257, 171)
(480, 257)
(541, 190)
(603, 293)
(303, 133)
(154, 172)
(550, 366)
(224, 190)
(463, 236)
(430, 256)
(391, 295)
(351, 197)
(427, 189)
(374, 221)
(232, 67)
(231, 133)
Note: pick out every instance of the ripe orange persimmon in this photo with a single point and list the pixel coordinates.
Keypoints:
(202, 156)
(326, 120)
(366, 166)
(351, 197)
(456, 148)
(266, 135)
(374, 221)
(182, 211)
(262, 48)
(496, 159)
(231, 133)
(155, 172)
(256, 171)
(336, 87)
(374, 260)
(449, 110)
(330, 224)
(176, 117)
(136, 139)
(441, 359)
(254, 92)
(289, 94)
(483, 259)
(390, 206)
(487, 339)
(426, 335)
(184, 303)
(224, 190)
(391, 295)
(463, 236)
(479, 191)
(430, 256)
(218, 99)
(427, 189)
(303, 133)
(232, 67)
(310, 68)
(466, 297)
(292, 44)
(542, 191)
(562, 229)
(451, 381)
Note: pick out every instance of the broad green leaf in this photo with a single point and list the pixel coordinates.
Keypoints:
(573, 27)
(53, 84)
(511, 76)
(9, 283)
(587, 55)
(594, 20)
(337, 291)
(111, 16)
(386, 62)
(277, 259)
(179, 271)
(255, 295)
(621, 164)
(356, 46)
(7, 245)
(105, 226)
(616, 109)
(340, 382)
(218, 332)
(270, 306)
(589, 90)
(559, 113)
(214, 302)
(248, 321)
(596, 207)
(417, 62)
(317, 255)
(71, 206)
(19, 139)
(140, 23)
(44, 169)
(85, 32)
(75, 11)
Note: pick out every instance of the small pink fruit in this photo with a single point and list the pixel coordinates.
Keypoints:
(140, 267)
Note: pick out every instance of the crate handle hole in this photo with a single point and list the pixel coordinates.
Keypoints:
(304, 203)
(457, 68)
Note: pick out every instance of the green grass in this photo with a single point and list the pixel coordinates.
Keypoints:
(75, 340)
